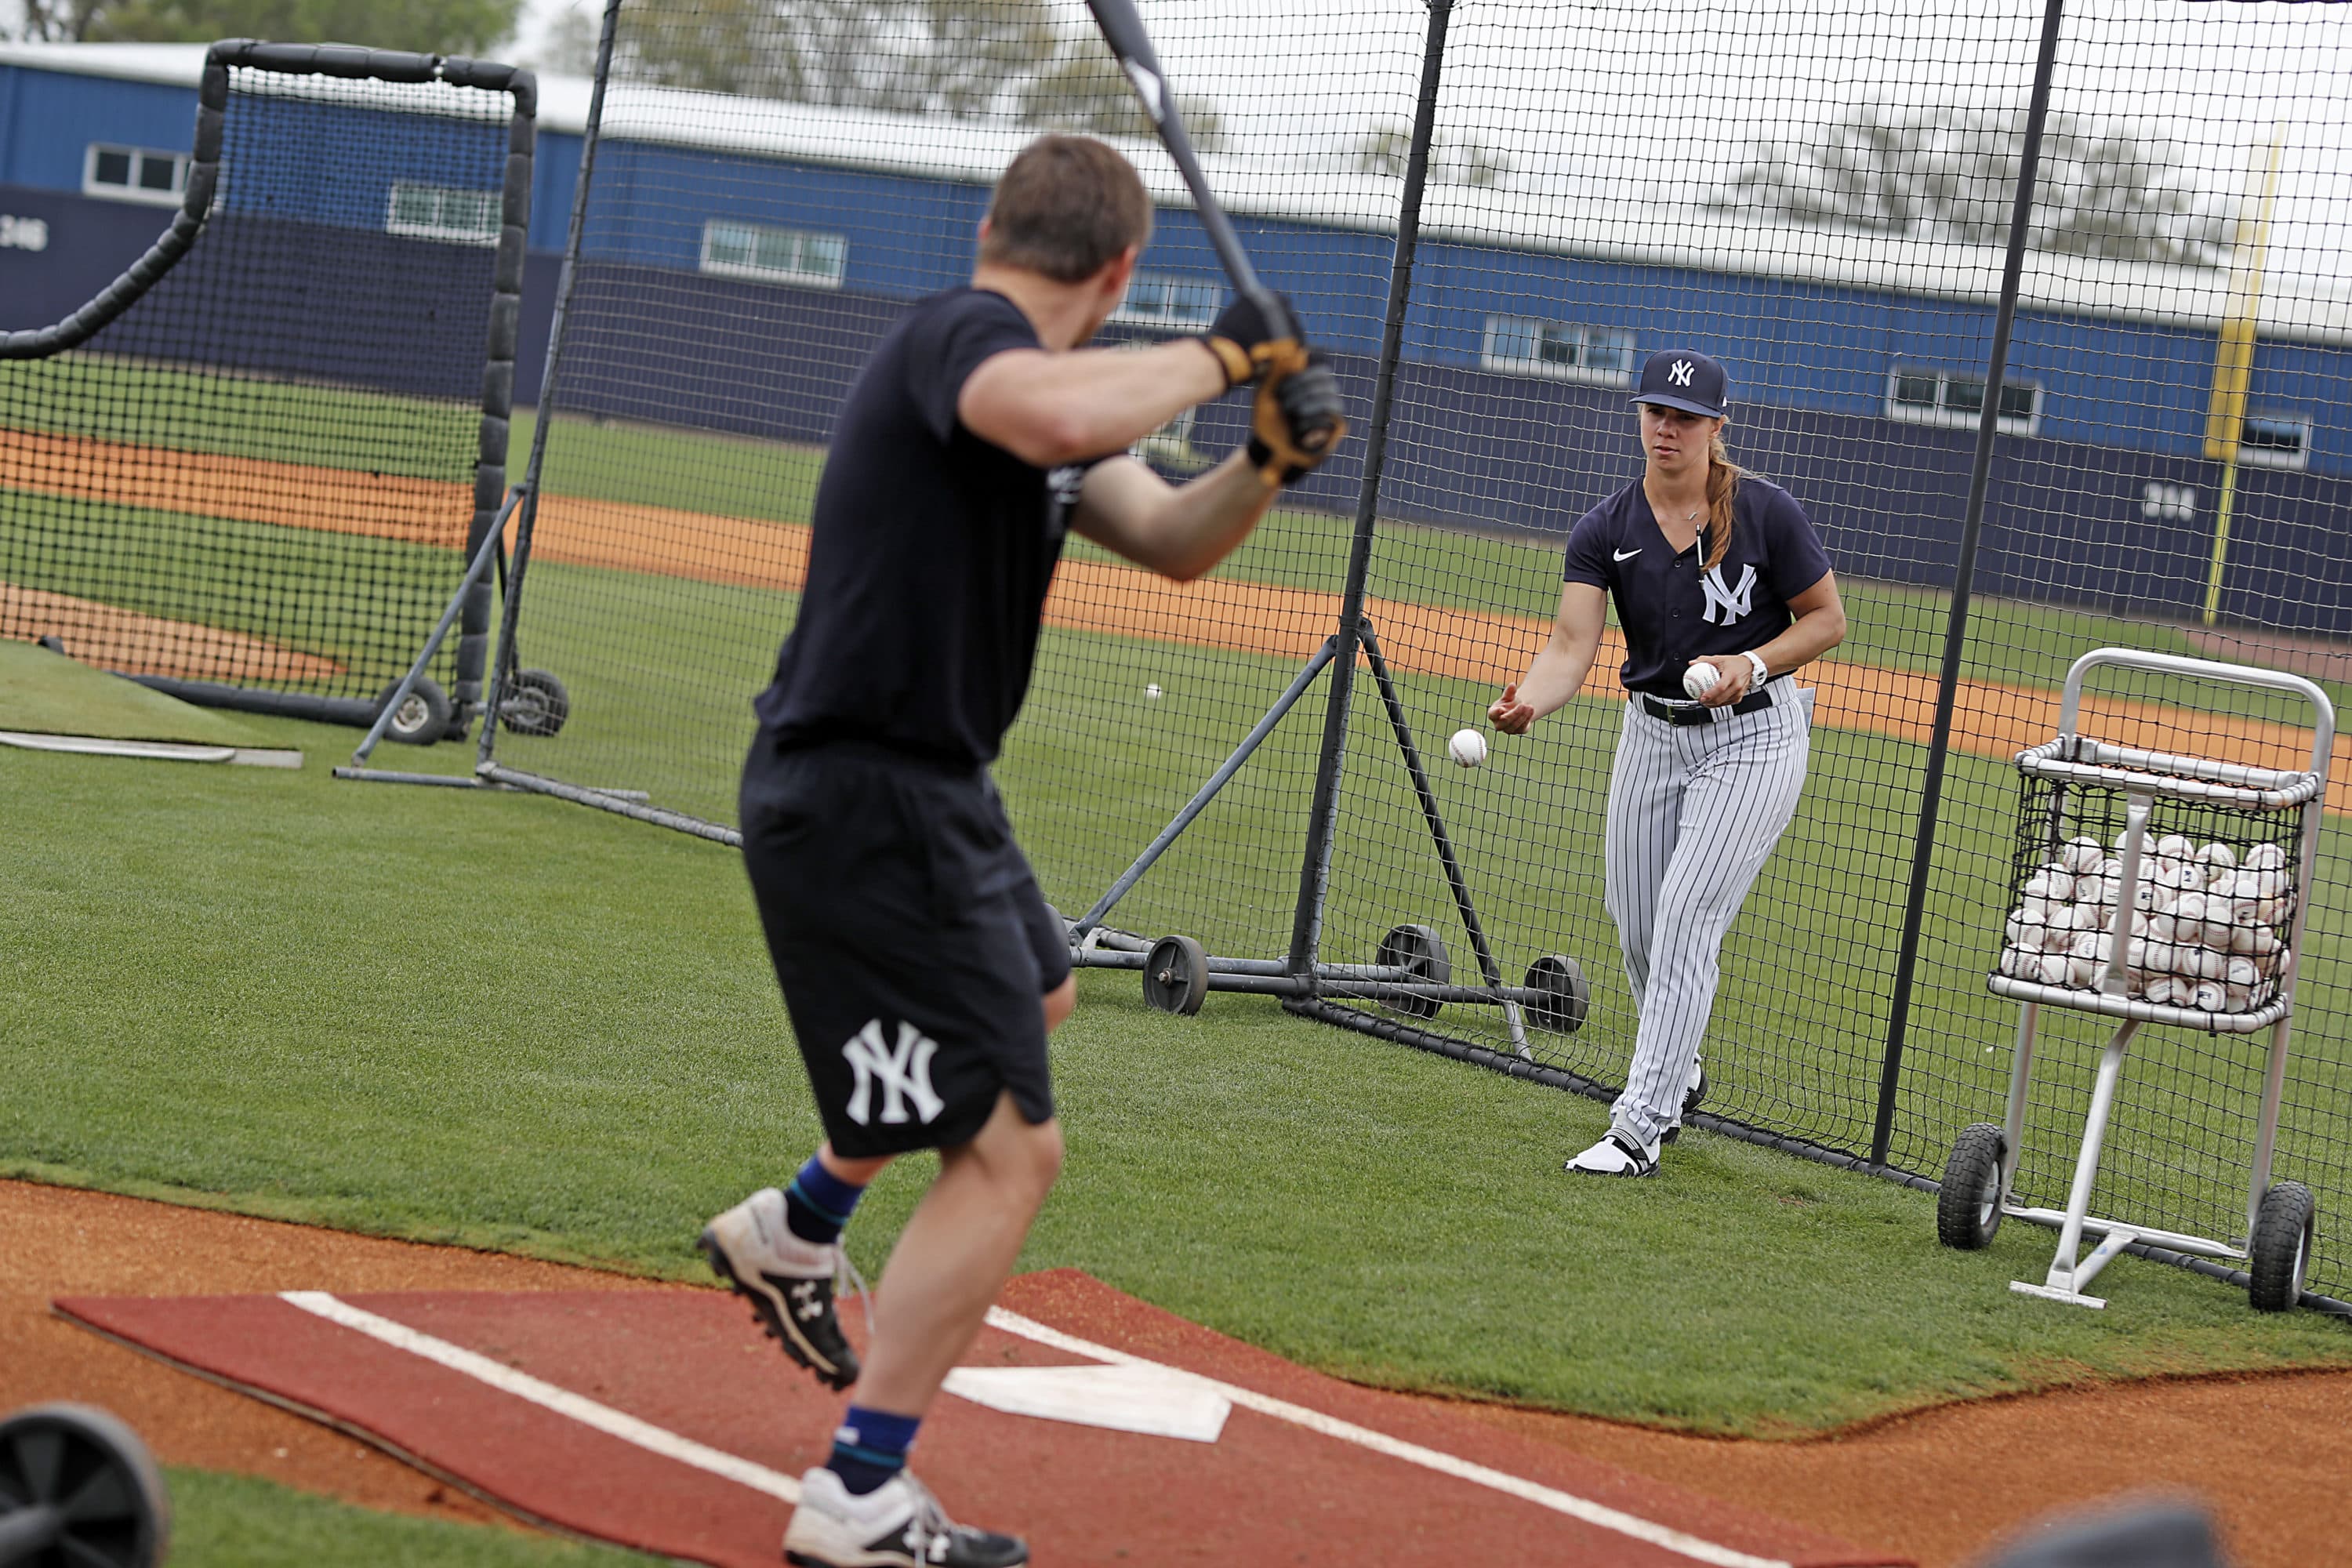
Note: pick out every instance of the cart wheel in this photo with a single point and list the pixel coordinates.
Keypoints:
(2281, 1248)
(535, 703)
(423, 716)
(1566, 998)
(1417, 951)
(1968, 1211)
(1176, 975)
(78, 1485)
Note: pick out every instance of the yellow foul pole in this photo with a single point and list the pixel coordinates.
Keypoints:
(2233, 361)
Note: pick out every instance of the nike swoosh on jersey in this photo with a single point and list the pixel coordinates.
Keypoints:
(1623, 554)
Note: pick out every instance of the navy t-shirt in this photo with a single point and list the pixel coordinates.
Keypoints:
(931, 555)
(1671, 612)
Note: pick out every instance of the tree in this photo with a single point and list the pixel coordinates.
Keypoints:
(1387, 149)
(567, 47)
(430, 27)
(1951, 175)
(958, 59)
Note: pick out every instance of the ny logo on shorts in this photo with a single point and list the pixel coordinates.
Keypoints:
(904, 1070)
(1733, 602)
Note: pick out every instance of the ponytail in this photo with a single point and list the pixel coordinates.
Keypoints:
(1722, 485)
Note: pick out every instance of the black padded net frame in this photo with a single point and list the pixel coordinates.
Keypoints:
(249, 471)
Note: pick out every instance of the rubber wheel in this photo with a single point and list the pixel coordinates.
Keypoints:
(423, 716)
(2280, 1250)
(1418, 951)
(1559, 981)
(535, 703)
(1176, 975)
(89, 1478)
(1968, 1211)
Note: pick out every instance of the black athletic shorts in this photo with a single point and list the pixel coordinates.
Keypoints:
(910, 939)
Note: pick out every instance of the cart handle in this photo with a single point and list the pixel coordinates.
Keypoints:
(2323, 741)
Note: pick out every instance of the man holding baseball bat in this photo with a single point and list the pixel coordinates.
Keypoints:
(919, 964)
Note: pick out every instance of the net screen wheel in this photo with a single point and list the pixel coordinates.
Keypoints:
(423, 716)
(1176, 975)
(1968, 1211)
(535, 703)
(2280, 1249)
(1559, 981)
(1418, 951)
(88, 1492)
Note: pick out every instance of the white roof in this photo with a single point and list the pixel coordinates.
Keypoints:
(1311, 178)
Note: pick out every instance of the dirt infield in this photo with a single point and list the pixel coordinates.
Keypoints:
(109, 636)
(2268, 1453)
(1224, 613)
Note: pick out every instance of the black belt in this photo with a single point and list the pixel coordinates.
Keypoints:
(1697, 713)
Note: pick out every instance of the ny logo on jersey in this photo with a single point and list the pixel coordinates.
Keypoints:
(1733, 602)
(904, 1070)
(1679, 372)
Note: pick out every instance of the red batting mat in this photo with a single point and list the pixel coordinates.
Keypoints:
(662, 1420)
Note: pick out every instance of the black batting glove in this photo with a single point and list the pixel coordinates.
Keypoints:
(1299, 419)
(1242, 338)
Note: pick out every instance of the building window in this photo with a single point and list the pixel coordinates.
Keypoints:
(1522, 345)
(1170, 299)
(2275, 440)
(437, 212)
(2168, 503)
(1950, 398)
(804, 255)
(134, 174)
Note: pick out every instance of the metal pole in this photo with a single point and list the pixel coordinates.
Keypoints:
(1956, 624)
(544, 417)
(1208, 792)
(1315, 871)
(457, 602)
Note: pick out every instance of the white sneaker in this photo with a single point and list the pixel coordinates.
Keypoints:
(1694, 1094)
(790, 1283)
(1615, 1155)
(897, 1525)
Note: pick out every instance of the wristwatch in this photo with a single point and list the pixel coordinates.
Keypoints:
(1763, 671)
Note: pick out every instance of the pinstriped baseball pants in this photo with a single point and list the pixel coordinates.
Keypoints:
(1694, 812)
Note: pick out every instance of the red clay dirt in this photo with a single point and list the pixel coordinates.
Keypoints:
(1487, 647)
(2269, 1453)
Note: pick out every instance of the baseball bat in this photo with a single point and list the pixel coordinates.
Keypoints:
(1123, 30)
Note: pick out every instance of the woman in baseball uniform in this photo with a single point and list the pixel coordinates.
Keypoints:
(1709, 567)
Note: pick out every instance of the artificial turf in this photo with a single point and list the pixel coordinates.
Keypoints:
(506, 1021)
(221, 1520)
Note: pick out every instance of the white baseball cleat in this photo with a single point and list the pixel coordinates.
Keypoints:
(897, 1525)
(790, 1283)
(1615, 1155)
(1694, 1093)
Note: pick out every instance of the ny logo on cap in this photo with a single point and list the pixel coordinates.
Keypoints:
(1680, 374)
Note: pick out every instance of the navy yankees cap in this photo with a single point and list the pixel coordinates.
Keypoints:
(1683, 378)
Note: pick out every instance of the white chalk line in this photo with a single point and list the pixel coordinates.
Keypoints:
(1602, 1515)
(758, 1478)
(562, 1401)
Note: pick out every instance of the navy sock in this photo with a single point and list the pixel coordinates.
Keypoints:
(817, 1203)
(870, 1447)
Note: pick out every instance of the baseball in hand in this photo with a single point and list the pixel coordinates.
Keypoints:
(1701, 679)
(1468, 748)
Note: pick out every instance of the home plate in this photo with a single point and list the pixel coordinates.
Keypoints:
(1145, 1399)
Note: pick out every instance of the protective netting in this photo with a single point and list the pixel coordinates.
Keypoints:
(740, 258)
(261, 476)
(1818, 194)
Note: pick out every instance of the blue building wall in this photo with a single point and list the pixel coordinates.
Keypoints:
(2124, 402)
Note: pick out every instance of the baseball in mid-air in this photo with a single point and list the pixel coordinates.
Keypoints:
(1468, 748)
(1701, 679)
(1151, 691)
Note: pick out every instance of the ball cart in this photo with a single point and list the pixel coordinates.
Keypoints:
(2153, 888)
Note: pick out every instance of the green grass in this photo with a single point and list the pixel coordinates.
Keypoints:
(241, 1521)
(502, 1020)
(45, 694)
